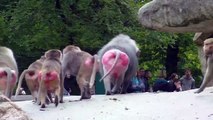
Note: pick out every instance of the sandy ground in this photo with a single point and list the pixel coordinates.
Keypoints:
(137, 106)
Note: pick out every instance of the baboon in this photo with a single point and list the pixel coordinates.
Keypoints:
(8, 71)
(31, 76)
(208, 51)
(118, 63)
(50, 77)
(80, 64)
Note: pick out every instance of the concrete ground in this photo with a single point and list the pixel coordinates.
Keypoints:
(136, 106)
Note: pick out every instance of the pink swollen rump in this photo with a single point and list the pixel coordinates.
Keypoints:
(121, 65)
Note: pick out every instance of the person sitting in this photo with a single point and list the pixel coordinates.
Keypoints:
(141, 77)
(162, 75)
(137, 84)
(187, 81)
(147, 76)
(172, 85)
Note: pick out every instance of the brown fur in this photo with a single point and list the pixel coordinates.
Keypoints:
(50, 67)
(80, 64)
(31, 76)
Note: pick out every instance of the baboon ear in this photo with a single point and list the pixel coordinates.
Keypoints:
(59, 54)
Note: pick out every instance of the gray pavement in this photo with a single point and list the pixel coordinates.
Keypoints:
(22, 98)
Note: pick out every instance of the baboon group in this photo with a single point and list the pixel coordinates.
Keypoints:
(117, 63)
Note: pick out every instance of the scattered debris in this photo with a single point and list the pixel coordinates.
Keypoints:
(126, 108)
(115, 99)
(42, 109)
(210, 115)
(74, 100)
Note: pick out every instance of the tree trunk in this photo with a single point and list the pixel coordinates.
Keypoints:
(172, 59)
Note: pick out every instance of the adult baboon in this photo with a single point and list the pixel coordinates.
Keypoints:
(118, 63)
(208, 51)
(80, 64)
(31, 76)
(8, 71)
(50, 76)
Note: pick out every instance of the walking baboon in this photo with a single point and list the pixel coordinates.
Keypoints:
(31, 76)
(80, 64)
(50, 77)
(118, 63)
(8, 71)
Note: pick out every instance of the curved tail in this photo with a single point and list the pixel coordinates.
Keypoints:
(207, 76)
(206, 80)
(92, 78)
(22, 77)
(20, 82)
(9, 78)
(116, 60)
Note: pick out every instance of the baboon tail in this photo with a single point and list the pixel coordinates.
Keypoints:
(92, 78)
(9, 78)
(20, 81)
(116, 60)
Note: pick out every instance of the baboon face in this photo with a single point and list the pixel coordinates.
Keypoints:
(208, 48)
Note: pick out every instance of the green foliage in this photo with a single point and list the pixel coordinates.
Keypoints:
(31, 27)
(34, 25)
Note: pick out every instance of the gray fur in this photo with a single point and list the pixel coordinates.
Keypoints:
(8, 63)
(208, 74)
(127, 45)
(73, 64)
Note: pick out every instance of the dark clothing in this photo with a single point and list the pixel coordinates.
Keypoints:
(136, 85)
(164, 85)
(146, 83)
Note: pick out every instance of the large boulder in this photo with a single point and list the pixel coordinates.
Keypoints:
(10, 111)
(178, 15)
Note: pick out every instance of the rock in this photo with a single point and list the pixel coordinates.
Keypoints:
(10, 111)
(178, 15)
(200, 37)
